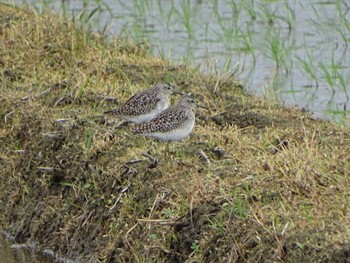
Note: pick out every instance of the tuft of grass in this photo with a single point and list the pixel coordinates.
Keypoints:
(185, 16)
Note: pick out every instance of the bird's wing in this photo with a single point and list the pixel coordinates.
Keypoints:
(164, 122)
(139, 104)
(136, 105)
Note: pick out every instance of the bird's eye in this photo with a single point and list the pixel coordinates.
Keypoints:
(192, 101)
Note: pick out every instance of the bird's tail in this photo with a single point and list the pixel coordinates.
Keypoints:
(138, 129)
(111, 112)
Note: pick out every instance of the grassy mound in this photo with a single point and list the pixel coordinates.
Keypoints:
(254, 182)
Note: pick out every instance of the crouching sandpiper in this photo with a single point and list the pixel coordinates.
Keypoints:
(173, 124)
(145, 105)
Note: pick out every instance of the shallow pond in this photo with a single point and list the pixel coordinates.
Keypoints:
(291, 50)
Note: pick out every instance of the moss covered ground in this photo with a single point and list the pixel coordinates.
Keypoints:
(255, 182)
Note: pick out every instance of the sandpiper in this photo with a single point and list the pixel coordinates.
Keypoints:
(145, 105)
(173, 124)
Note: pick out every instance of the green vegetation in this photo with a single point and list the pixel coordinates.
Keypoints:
(302, 45)
(255, 181)
(254, 35)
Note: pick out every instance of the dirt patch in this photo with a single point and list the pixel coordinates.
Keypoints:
(188, 231)
(243, 241)
(242, 120)
(341, 254)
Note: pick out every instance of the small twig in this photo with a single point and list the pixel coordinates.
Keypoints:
(217, 84)
(58, 101)
(150, 157)
(261, 224)
(130, 230)
(204, 157)
(159, 221)
(36, 96)
(152, 209)
(120, 124)
(51, 134)
(61, 120)
(285, 228)
(135, 161)
(167, 251)
(28, 97)
(128, 243)
(7, 115)
(118, 199)
(43, 93)
(224, 77)
(87, 218)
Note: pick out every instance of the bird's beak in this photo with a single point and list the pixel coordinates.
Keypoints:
(178, 92)
(175, 91)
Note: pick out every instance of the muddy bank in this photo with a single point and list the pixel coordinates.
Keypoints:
(273, 186)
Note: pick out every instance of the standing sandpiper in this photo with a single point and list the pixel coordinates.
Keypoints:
(145, 105)
(173, 124)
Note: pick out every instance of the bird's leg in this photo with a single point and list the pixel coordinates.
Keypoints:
(167, 151)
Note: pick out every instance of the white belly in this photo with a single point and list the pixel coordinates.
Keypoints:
(141, 118)
(161, 106)
(173, 135)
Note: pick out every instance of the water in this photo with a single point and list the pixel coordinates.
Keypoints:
(18, 254)
(292, 50)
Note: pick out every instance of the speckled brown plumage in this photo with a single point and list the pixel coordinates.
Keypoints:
(144, 105)
(174, 123)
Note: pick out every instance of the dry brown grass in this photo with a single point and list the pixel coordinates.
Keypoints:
(273, 185)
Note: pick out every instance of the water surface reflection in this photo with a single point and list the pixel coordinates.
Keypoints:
(294, 50)
(15, 254)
